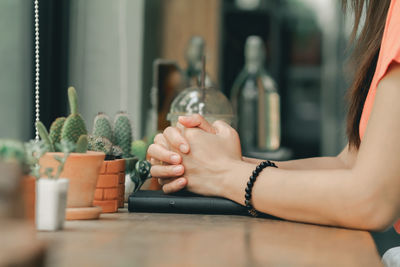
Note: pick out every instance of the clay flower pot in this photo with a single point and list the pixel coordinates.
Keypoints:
(82, 171)
(11, 204)
(28, 185)
(51, 204)
(110, 188)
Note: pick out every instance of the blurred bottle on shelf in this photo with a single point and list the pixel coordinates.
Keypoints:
(194, 54)
(256, 101)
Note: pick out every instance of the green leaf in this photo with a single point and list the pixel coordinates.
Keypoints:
(48, 172)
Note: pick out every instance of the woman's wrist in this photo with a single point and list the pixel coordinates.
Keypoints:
(234, 182)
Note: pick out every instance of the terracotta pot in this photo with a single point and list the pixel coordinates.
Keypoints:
(82, 171)
(28, 185)
(121, 190)
(11, 204)
(111, 186)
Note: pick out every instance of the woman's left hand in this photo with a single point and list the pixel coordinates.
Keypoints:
(211, 158)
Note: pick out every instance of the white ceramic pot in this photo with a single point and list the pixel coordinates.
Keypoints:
(51, 202)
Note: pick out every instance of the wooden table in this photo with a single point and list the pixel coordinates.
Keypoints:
(143, 239)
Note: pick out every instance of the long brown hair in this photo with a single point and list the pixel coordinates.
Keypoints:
(364, 57)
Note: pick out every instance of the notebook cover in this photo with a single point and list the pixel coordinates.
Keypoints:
(184, 202)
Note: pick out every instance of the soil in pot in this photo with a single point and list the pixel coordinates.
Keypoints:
(110, 188)
(82, 171)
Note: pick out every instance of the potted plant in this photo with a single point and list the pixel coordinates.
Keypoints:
(51, 197)
(115, 143)
(112, 173)
(14, 151)
(81, 168)
(15, 171)
(123, 139)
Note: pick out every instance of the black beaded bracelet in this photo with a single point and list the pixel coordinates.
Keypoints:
(250, 185)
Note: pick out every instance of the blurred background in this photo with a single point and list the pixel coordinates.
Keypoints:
(106, 49)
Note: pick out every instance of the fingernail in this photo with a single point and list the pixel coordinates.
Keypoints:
(181, 182)
(177, 169)
(175, 158)
(184, 148)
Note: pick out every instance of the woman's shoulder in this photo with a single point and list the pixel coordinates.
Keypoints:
(390, 46)
(391, 37)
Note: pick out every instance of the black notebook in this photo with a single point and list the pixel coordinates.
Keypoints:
(184, 202)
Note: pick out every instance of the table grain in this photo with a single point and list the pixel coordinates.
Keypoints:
(150, 239)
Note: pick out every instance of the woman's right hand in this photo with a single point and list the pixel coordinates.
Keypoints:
(166, 164)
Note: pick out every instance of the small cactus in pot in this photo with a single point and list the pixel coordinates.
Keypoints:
(103, 138)
(17, 188)
(112, 177)
(80, 167)
(119, 134)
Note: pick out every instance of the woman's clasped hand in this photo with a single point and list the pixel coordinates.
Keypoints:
(195, 155)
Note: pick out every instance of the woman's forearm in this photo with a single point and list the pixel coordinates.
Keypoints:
(345, 160)
(318, 163)
(329, 197)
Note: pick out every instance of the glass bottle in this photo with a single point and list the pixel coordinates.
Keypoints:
(194, 54)
(256, 101)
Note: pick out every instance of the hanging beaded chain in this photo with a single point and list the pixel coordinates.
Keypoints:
(37, 71)
(252, 211)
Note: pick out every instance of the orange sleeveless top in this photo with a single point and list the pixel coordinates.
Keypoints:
(389, 53)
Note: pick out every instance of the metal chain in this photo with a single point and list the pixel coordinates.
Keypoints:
(37, 70)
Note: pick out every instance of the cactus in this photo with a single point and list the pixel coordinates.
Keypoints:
(66, 134)
(74, 126)
(100, 144)
(123, 133)
(102, 127)
(139, 149)
(55, 131)
(117, 152)
(150, 139)
(82, 144)
(44, 135)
